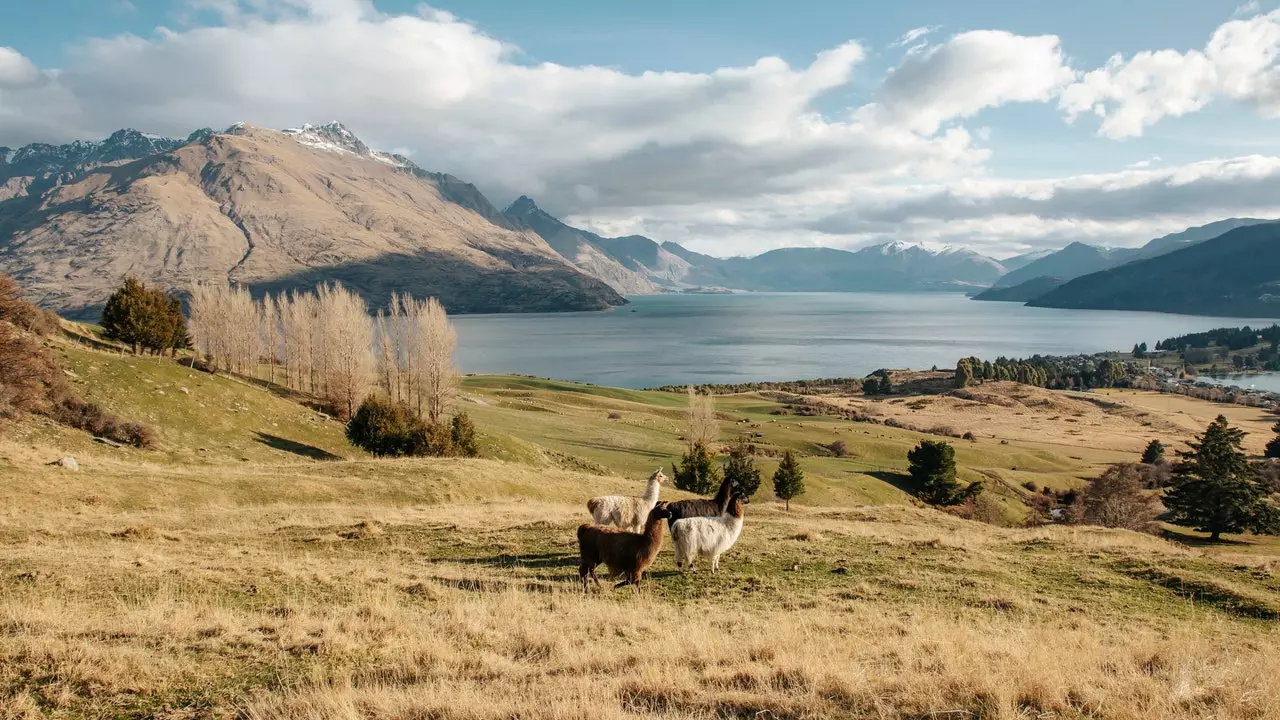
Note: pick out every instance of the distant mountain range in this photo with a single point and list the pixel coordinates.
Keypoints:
(1229, 267)
(1237, 274)
(278, 210)
(274, 210)
(1079, 259)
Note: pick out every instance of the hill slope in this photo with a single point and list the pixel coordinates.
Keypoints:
(1237, 274)
(1079, 259)
(278, 210)
(1022, 292)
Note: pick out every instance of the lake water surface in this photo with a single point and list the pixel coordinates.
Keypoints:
(677, 339)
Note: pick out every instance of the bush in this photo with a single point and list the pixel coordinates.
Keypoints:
(30, 373)
(435, 440)
(839, 448)
(385, 428)
(697, 471)
(463, 436)
(1118, 500)
(91, 418)
(1154, 453)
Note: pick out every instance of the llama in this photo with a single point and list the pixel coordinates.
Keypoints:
(708, 536)
(627, 512)
(701, 507)
(625, 553)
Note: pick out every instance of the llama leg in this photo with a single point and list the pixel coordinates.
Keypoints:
(715, 563)
(583, 573)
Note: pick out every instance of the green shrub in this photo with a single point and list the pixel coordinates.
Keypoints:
(385, 428)
(697, 471)
(463, 436)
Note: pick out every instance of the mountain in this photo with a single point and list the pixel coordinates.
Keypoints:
(1079, 259)
(1017, 262)
(1235, 274)
(579, 247)
(274, 210)
(889, 267)
(1023, 292)
(36, 167)
(1071, 261)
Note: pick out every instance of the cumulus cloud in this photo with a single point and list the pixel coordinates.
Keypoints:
(971, 72)
(736, 160)
(1129, 95)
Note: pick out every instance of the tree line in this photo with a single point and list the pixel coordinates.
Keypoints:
(1230, 338)
(1045, 372)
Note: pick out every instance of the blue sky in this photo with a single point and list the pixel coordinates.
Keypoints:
(686, 134)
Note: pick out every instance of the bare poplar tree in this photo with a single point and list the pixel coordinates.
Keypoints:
(700, 419)
(436, 342)
(388, 372)
(270, 334)
(348, 363)
(224, 322)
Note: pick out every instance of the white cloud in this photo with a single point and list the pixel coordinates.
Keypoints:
(968, 73)
(914, 34)
(736, 160)
(1238, 63)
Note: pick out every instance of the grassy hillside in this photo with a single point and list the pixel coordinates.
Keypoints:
(189, 583)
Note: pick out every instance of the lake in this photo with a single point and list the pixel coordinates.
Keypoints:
(678, 339)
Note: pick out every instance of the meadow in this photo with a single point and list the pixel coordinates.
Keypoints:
(256, 565)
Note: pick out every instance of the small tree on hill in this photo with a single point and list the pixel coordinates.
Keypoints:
(463, 436)
(1273, 447)
(1215, 488)
(143, 317)
(1154, 453)
(964, 373)
(932, 465)
(697, 471)
(741, 469)
(1118, 500)
(788, 480)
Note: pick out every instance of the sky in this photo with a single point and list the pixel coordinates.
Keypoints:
(1000, 126)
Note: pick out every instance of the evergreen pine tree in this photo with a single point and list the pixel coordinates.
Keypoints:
(742, 470)
(964, 373)
(1273, 447)
(697, 471)
(1215, 488)
(932, 465)
(124, 316)
(1154, 453)
(463, 433)
(788, 480)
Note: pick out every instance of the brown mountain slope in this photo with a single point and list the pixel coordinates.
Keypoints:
(266, 209)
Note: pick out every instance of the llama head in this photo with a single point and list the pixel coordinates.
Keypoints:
(657, 475)
(659, 511)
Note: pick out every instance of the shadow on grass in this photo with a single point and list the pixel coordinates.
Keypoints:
(1186, 537)
(533, 561)
(295, 447)
(900, 480)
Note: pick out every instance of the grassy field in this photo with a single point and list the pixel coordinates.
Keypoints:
(258, 566)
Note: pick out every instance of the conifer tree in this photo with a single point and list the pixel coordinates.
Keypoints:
(1154, 453)
(932, 465)
(463, 434)
(1216, 489)
(1273, 447)
(741, 469)
(788, 480)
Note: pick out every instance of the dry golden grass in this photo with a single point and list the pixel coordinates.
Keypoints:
(247, 582)
(420, 599)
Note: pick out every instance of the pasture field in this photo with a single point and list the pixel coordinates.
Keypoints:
(257, 566)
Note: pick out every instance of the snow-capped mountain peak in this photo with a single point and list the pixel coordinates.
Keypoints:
(336, 138)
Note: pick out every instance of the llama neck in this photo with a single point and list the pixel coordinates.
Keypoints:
(653, 531)
(722, 497)
(651, 491)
